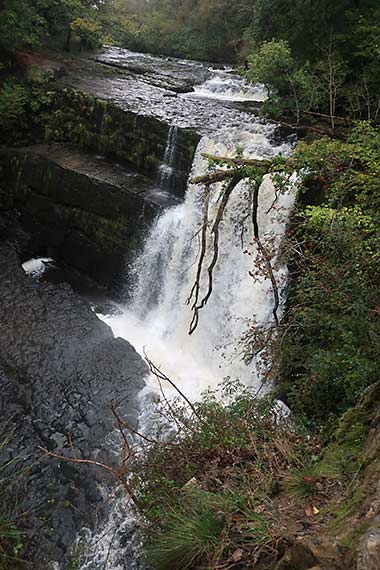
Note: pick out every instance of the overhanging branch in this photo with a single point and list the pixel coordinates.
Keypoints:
(239, 169)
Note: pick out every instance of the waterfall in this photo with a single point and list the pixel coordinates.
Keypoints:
(167, 168)
(158, 317)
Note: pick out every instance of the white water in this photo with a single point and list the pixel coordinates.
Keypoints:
(157, 318)
(228, 87)
(167, 169)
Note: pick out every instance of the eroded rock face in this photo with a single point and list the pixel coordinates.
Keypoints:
(369, 551)
(82, 209)
(60, 367)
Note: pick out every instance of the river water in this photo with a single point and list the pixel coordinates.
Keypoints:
(223, 109)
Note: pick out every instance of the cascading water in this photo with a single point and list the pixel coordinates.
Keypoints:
(167, 169)
(226, 87)
(158, 316)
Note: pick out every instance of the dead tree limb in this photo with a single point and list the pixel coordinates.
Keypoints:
(263, 251)
(160, 375)
(233, 176)
(196, 287)
(213, 177)
(116, 474)
(196, 307)
(256, 162)
(215, 231)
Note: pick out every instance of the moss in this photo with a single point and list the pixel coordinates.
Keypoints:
(151, 163)
(345, 509)
(108, 233)
(102, 127)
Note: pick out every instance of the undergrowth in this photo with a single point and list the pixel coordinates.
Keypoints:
(228, 487)
(329, 343)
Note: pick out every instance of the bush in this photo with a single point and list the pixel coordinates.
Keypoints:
(24, 108)
(13, 100)
(88, 31)
(213, 488)
(330, 343)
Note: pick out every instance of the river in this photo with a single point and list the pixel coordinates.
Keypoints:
(223, 108)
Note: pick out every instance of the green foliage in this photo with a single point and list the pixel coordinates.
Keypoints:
(331, 340)
(291, 89)
(29, 23)
(193, 531)
(13, 99)
(24, 105)
(88, 31)
(21, 24)
(302, 483)
(212, 488)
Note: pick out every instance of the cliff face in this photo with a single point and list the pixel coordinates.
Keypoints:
(137, 139)
(60, 366)
(81, 209)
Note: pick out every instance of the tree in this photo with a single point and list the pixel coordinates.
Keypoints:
(20, 24)
(274, 65)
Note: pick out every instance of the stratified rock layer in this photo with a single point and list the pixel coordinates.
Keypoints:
(80, 208)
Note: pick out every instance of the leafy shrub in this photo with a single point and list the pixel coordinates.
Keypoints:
(88, 31)
(24, 108)
(330, 343)
(13, 99)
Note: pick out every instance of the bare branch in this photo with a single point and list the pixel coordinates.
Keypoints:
(263, 251)
(161, 376)
(196, 287)
(215, 230)
(213, 177)
(118, 476)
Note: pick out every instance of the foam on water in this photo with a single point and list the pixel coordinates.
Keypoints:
(158, 317)
(227, 87)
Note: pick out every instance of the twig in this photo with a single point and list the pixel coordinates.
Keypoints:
(157, 372)
(104, 466)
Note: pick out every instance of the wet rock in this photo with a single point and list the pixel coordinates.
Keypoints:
(60, 367)
(98, 123)
(81, 209)
(369, 551)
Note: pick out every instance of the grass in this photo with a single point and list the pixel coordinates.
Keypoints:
(212, 490)
(192, 533)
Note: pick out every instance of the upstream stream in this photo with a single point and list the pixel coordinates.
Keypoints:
(155, 320)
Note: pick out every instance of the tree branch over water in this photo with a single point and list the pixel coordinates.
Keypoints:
(238, 169)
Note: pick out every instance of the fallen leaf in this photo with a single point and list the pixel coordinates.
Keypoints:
(238, 555)
(311, 510)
